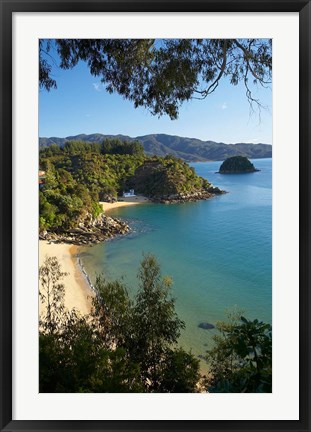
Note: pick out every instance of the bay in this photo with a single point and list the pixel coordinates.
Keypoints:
(218, 252)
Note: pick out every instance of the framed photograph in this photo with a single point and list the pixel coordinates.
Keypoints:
(155, 215)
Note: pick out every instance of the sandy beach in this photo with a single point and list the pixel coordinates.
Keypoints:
(124, 202)
(78, 294)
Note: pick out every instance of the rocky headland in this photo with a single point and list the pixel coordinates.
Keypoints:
(79, 177)
(89, 231)
(96, 230)
(198, 195)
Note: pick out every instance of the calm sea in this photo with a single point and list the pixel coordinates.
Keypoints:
(218, 252)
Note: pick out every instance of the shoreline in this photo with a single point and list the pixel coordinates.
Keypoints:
(79, 289)
(124, 202)
(78, 293)
(83, 271)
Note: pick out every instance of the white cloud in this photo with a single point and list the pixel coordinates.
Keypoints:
(98, 86)
(224, 106)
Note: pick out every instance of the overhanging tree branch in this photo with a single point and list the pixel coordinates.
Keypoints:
(161, 75)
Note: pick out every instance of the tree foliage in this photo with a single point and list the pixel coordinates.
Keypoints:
(123, 346)
(167, 176)
(162, 74)
(52, 293)
(129, 344)
(241, 360)
(81, 174)
(115, 146)
(156, 326)
(78, 176)
(179, 372)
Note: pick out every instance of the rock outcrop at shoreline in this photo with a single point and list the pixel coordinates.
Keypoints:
(96, 230)
(203, 194)
(90, 231)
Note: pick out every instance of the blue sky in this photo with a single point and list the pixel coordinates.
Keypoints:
(80, 104)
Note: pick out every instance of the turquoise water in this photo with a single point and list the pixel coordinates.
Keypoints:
(218, 252)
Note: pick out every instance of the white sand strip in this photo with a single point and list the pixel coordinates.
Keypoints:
(78, 294)
(124, 202)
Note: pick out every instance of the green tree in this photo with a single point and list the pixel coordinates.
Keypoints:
(112, 308)
(51, 293)
(241, 360)
(155, 324)
(78, 178)
(180, 372)
(76, 147)
(75, 360)
(73, 355)
(147, 329)
(116, 146)
(123, 346)
(162, 74)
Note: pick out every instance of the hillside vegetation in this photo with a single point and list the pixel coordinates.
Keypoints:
(130, 344)
(188, 149)
(79, 175)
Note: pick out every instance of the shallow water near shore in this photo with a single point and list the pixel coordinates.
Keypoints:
(218, 252)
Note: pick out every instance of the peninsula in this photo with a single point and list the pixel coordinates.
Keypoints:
(75, 179)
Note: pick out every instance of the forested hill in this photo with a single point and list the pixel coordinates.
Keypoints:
(188, 149)
(78, 175)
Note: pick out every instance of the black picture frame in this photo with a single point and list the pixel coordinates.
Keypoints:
(7, 9)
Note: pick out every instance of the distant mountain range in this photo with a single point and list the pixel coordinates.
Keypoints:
(188, 149)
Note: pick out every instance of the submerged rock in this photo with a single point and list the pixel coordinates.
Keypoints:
(206, 326)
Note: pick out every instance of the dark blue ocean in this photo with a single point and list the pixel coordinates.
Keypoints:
(218, 252)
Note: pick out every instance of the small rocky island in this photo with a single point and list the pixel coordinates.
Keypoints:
(237, 165)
